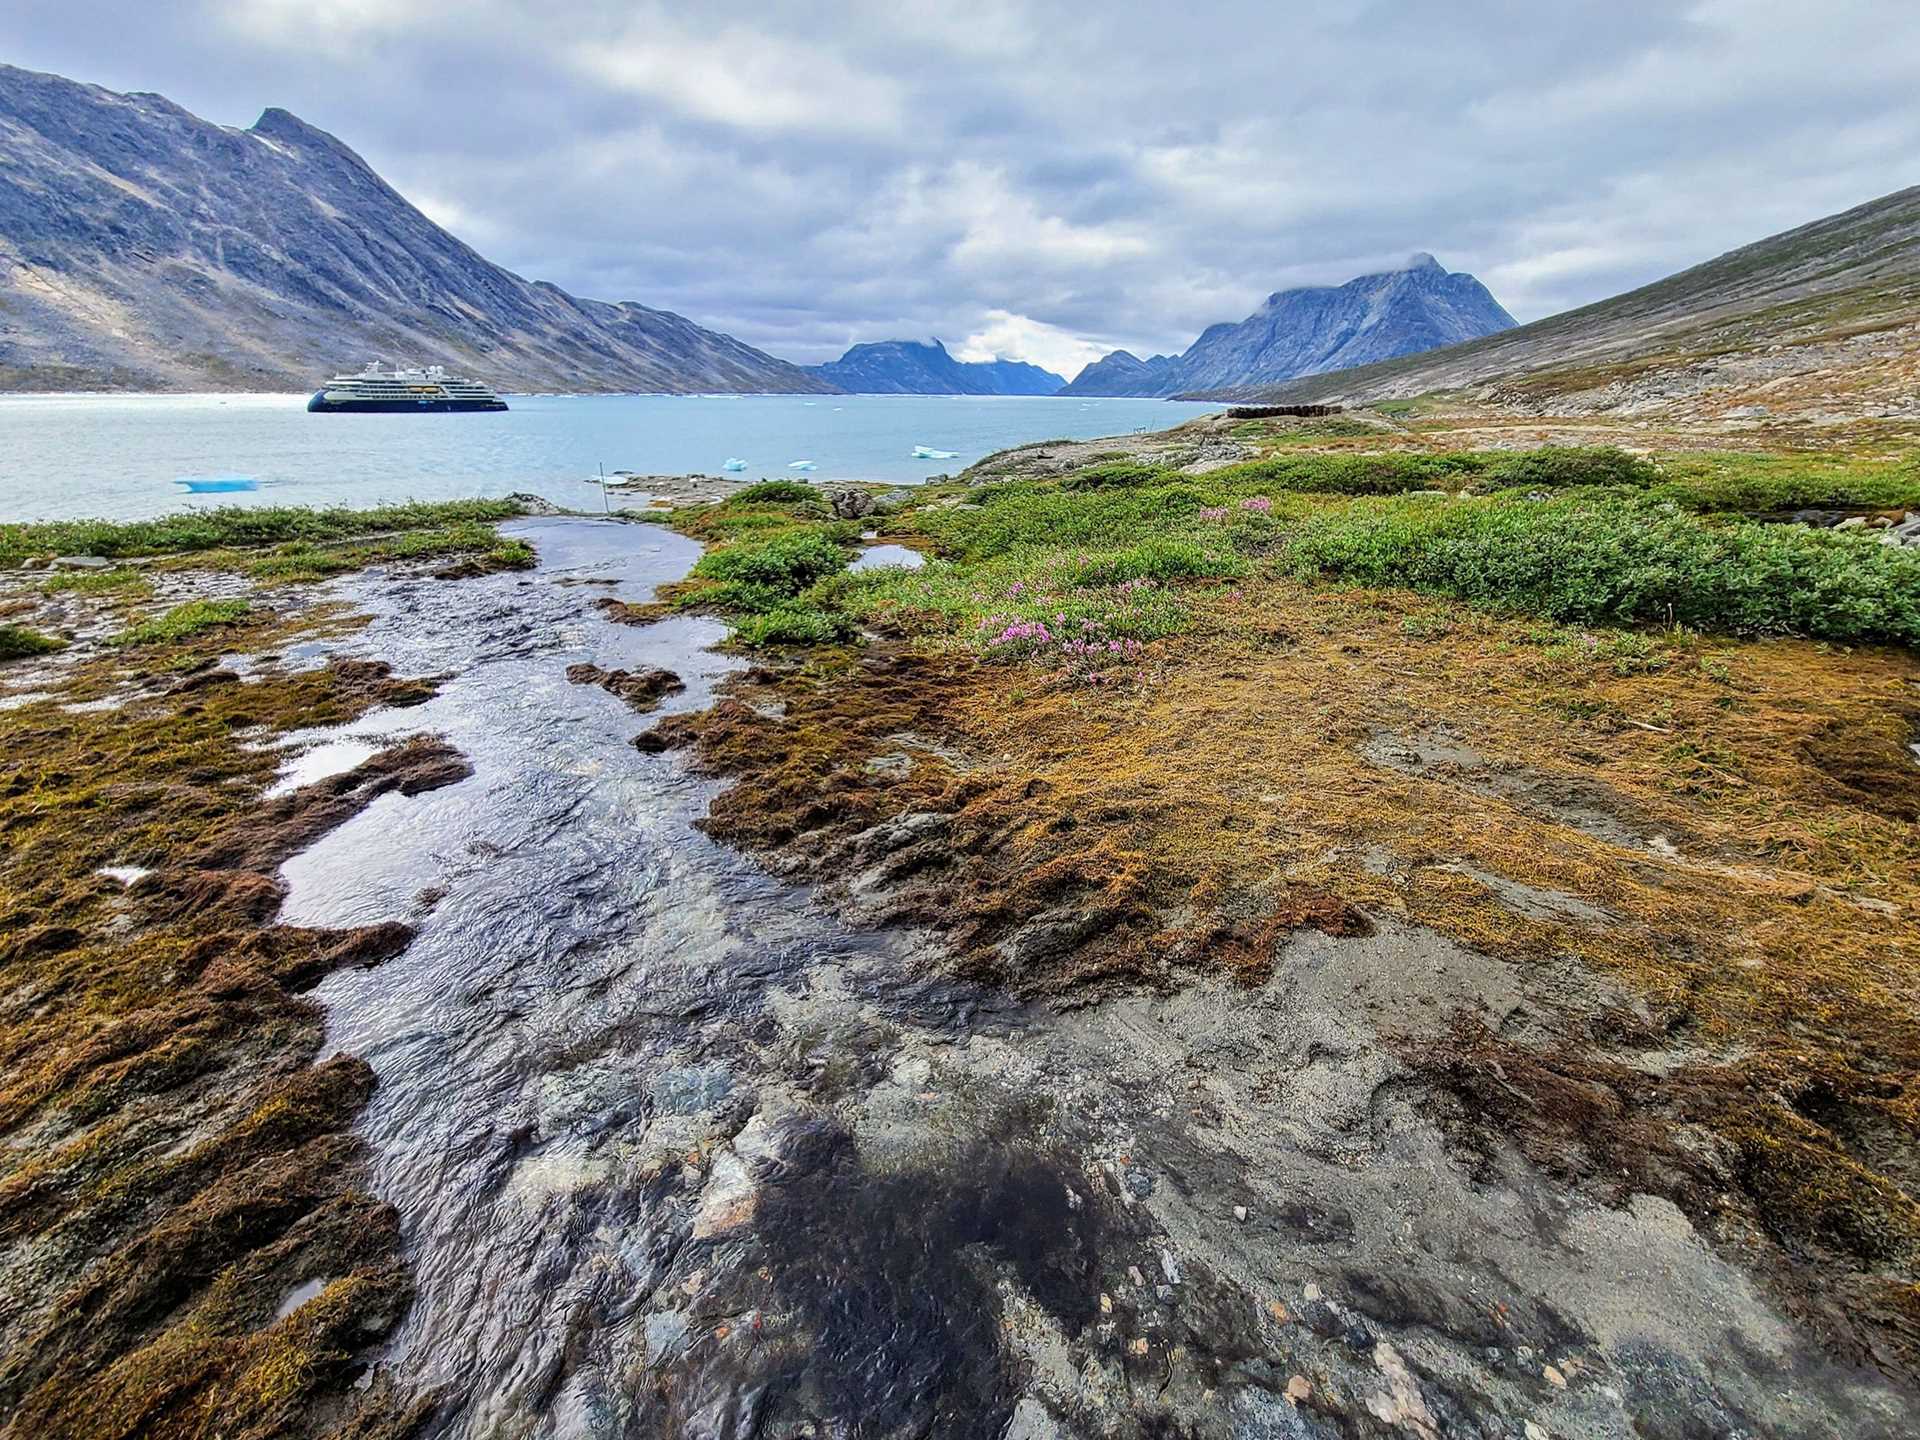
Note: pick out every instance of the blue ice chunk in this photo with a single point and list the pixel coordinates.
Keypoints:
(734, 462)
(927, 452)
(801, 465)
(217, 484)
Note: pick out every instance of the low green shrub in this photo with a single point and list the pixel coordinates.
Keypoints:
(1114, 474)
(773, 492)
(794, 624)
(760, 576)
(1620, 560)
(1555, 467)
(18, 642)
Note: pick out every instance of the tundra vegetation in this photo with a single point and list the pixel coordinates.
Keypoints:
(1570, 707)
(188, 1249)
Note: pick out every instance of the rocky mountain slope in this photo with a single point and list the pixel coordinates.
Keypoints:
(909, 367)
(144, 248)
(1121, 372)
(1818, 323)
(1316, 328)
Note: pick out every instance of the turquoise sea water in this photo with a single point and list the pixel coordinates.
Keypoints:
(128, 456)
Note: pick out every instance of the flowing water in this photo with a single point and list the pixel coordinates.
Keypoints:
(678, 1155)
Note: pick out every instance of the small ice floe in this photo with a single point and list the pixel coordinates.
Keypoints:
(734, 463)
(125, 874)
(927, 452)
(217, 484)
(801, 465)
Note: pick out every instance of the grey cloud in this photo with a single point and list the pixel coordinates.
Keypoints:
(807, 174)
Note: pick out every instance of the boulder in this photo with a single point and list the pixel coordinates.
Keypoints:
(849, 504)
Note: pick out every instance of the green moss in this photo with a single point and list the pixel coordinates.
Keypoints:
(17, 642)
(184, 621)
(232, 527)
(472, 541)
(121, 581)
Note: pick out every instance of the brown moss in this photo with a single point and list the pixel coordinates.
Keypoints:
(175, 1160)
(1713, 832)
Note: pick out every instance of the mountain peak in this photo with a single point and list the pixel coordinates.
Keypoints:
(1314, 329)
(304, 259)
(923, 367)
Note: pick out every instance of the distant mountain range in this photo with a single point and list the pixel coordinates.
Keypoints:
(144, 248)
(910, 367)
(1822, 321)
(1420, 306)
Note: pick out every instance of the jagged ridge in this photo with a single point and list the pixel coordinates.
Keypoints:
(909, 367)
(1313, 329)
(142, 247)
(1776, 314)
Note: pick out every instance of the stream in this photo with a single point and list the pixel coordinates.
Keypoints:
(676, 1154)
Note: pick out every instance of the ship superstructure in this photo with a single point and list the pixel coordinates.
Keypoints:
(410, 391)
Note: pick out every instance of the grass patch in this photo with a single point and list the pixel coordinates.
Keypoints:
(183, 622)
(756, 578)
(468, 540)
(18, 642)
(236, 527)
(123, 580)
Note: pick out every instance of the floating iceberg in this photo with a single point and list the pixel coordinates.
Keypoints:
(217, 484)
(734, 463)
(801, 465)
(927, 452)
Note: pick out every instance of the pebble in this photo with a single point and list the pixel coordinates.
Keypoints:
(1299, 1388)
(1133, 1274)
(1536, 1432)
(1106, 1303)
(1164, 1293)
(1139, 1346)
(1169, 1267)
(1312, 1292)
(1240, 1212)
(1554, 1377)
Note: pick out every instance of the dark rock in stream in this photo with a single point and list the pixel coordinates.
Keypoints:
(641, 689)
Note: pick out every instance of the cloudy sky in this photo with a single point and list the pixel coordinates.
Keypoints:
(1052, 180)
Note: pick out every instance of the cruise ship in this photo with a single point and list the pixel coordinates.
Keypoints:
(410, 392)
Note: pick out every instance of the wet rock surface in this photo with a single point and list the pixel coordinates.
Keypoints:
(676, 1153)
(641, 689)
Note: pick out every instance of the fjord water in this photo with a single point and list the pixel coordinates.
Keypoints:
(128, 456)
